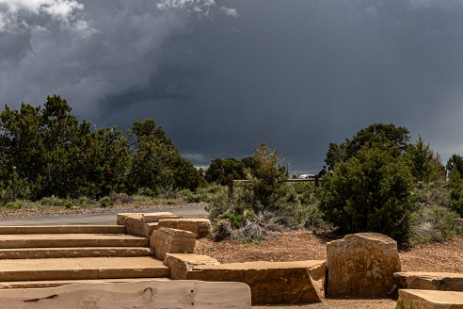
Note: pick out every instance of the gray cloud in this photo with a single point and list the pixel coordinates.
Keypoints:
(223, 76)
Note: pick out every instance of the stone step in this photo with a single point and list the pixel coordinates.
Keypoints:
(43, 253)
(427, 299)
(54, 283)
(63, 229)
(82, 269)
(429, 280)
(71, 241)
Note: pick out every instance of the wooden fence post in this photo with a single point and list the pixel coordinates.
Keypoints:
(317, 181)
(230, 187)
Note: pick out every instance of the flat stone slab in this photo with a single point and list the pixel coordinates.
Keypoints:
(156, 216)
(271, 282)
(181, 263)
(146, 217)
(200, 227)
(428, 299)
(430, 281)
(42, 253)
(82, 268)
(62, 229)
(148, 294)
(71, 240)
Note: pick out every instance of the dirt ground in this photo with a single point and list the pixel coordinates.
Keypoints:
(284, 246)
(304, 245)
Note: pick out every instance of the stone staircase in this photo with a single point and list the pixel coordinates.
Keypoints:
(44, 256)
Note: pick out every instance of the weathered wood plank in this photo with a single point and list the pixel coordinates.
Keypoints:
(138, 295)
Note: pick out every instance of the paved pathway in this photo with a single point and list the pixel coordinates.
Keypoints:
(107, 218)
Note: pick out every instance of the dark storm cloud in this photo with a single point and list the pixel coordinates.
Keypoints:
(223, 76)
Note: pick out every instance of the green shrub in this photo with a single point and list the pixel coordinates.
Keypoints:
(143, 199)
(105, 202)
(370, 193)
(120, 198)
(14, 204)
(435, 223)
(455, 189)
(68, 204)
(54, 201)
(46, 201)
(83, 201)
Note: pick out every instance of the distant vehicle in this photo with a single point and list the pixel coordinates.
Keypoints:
(307, 176)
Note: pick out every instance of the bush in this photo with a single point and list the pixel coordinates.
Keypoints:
(455, 189)
(68, 203)
(105, 202)
(370, 193)
(435, 223)
(264, 203)
(266, 178)
(14, 204)
(54, 201)
(83, 201)
(120, 198)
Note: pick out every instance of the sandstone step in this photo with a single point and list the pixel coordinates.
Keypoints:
(63, 229)
(430, 281)
(428, 299)
(270, 282)
(54, 283)
(71, 240)
(82, 268)
(42, 253)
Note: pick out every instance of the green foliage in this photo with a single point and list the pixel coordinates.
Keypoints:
(264, 203)
(46, 151)
(370, 192)
(54, 201)
(455, 189)
(455, 161)
(202, 194)
(219, 170)
(157, 164)
(387, 137)
(435, 223)
(105, 202)
(14, 204)
(420, 157)
(267, 179)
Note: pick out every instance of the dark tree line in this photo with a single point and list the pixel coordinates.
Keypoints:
(46, 151)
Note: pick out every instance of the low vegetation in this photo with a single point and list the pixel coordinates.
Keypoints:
(377, 181)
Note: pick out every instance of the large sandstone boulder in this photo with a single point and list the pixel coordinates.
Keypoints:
(426, 299)
(362, 265)
(271, 282)
(430, 281)
(166, 240)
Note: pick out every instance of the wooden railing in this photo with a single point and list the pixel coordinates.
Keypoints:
(231, 183)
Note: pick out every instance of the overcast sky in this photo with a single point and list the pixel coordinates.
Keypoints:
(223, 76)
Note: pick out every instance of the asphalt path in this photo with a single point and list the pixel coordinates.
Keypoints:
(98, 219)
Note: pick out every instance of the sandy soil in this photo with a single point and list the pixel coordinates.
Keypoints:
(303, 245)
